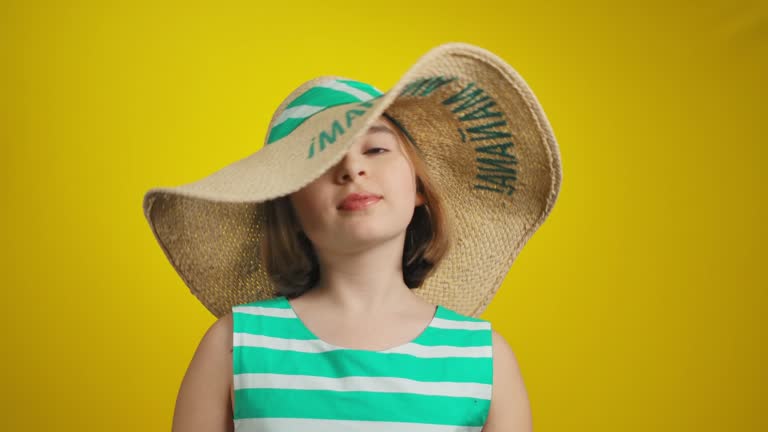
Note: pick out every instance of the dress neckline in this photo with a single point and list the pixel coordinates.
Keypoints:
(415, 340)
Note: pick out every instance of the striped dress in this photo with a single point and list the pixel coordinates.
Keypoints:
(288, 380)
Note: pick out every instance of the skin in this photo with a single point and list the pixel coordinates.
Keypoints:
(361, 300)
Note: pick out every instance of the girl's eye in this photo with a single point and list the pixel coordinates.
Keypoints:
(376, 148)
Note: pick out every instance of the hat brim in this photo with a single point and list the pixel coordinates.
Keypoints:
(478, 126)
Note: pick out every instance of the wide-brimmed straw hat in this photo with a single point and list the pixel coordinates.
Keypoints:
(481, 131)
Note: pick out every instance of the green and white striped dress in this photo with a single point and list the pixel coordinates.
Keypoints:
(288, 380)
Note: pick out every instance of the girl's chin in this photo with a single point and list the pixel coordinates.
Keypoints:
(363, 236)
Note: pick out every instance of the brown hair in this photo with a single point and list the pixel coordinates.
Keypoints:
(290, 258)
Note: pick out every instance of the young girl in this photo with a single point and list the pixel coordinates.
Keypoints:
(348, 259)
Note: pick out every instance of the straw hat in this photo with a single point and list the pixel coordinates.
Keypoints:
(479, 128)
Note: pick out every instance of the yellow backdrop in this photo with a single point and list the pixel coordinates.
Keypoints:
(637, 306)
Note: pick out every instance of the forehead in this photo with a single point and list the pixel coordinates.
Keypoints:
(381, 125)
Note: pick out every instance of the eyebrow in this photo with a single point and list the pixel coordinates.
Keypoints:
(379, 128)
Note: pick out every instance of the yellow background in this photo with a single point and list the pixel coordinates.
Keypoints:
(636, 307)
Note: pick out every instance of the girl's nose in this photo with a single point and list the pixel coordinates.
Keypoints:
(348, 169)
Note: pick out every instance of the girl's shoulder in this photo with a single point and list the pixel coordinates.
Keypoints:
(450, 314)
(274, 302)
(207, 381)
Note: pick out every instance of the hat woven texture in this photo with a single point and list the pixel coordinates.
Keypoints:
(482, 133)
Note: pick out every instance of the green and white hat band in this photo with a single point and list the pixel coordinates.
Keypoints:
(318, 98)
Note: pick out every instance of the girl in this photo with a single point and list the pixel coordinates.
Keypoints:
(348, 259)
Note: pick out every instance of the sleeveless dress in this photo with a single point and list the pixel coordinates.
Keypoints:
(288, 380)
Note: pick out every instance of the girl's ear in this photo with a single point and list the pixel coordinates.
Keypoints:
(419, 199)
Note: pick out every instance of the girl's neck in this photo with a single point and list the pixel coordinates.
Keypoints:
(359, 282)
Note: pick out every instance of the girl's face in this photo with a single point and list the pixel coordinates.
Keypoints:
(375, 164)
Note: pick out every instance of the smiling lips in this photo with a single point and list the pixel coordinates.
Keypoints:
(355, 201)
